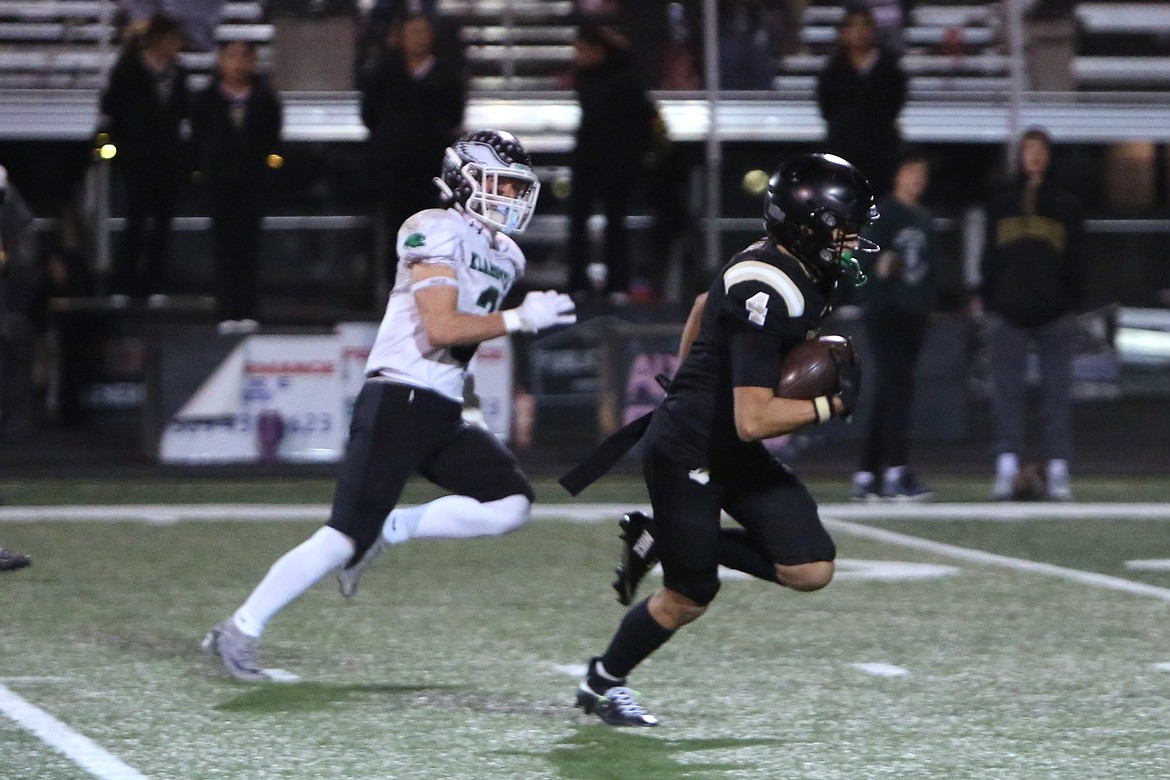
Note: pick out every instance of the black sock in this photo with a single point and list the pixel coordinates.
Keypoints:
(637, 637)
(739, 551)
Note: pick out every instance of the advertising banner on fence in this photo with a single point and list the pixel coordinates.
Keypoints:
(492, 367)
(288, 398)
(275, 398)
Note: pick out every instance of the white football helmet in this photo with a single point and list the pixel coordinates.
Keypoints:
(473, 169)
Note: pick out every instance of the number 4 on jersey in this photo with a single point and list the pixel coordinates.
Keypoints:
(757, 307)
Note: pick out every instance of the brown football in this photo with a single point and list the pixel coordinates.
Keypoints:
(809, 370)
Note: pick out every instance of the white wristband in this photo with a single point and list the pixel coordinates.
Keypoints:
(512, 320)
(824, 408)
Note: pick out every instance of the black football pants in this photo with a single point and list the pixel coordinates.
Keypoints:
(895, 341)
(775, 509)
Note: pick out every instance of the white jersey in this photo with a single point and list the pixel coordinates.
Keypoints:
(486, 265)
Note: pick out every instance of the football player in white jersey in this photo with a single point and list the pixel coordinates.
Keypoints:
(455, 266)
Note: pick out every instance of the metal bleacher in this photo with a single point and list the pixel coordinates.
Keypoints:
(1119, 46)
(54, 56)
(1123, 46)
(521, 45)
(954, 51)
(71, 44)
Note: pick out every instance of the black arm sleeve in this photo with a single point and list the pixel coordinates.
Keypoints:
(756, 356)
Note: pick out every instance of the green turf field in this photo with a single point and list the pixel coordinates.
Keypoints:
(37, 491)
(457, 659)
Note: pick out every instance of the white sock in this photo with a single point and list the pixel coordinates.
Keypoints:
(894, 473)
(863, 479)
(1057, 468)
(292, 574)
(1007, 464)
(457, 517)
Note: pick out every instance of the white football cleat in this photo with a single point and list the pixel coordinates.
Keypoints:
(239, 654)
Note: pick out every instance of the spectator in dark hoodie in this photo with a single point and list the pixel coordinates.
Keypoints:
(1032, 287)
(860, 93)
(612, 137)
(235, 126)
(143, 108)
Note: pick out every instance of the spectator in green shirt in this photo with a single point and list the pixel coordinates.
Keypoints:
(897, 302)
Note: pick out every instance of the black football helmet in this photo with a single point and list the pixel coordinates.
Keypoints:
(473, 167)
(809, 198)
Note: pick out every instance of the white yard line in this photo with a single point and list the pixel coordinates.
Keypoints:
(162, 514)
(78, 748)
(1001, 512)
(998, 511)
(836, 517)
(1003, 561)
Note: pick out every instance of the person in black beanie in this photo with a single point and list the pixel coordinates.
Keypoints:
(143, 106)
(236, 124)
(1032, 287)
(860, 93)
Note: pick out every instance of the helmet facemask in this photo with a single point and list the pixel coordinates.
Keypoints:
(817, 240)
(839, 249)
(507, 213)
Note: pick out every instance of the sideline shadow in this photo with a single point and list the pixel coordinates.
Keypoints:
(312, 696)
(636, 754)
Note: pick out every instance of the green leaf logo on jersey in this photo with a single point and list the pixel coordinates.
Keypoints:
(415, 240)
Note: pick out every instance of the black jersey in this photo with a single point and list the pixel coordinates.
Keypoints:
(765, 296)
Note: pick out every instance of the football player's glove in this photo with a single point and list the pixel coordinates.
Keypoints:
(848, 382)
(540, 310)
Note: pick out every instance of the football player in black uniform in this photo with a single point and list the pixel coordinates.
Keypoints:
(702, 451)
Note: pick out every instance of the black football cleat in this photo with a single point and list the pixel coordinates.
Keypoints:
(639, 555)
(10, 560)
(616, 705)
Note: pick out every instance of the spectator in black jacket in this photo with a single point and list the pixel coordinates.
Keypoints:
(615, 127)
(22, 294)
(1033, 285)
(143, 107)
(861, 92)
(235, 125)
(412, 103)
